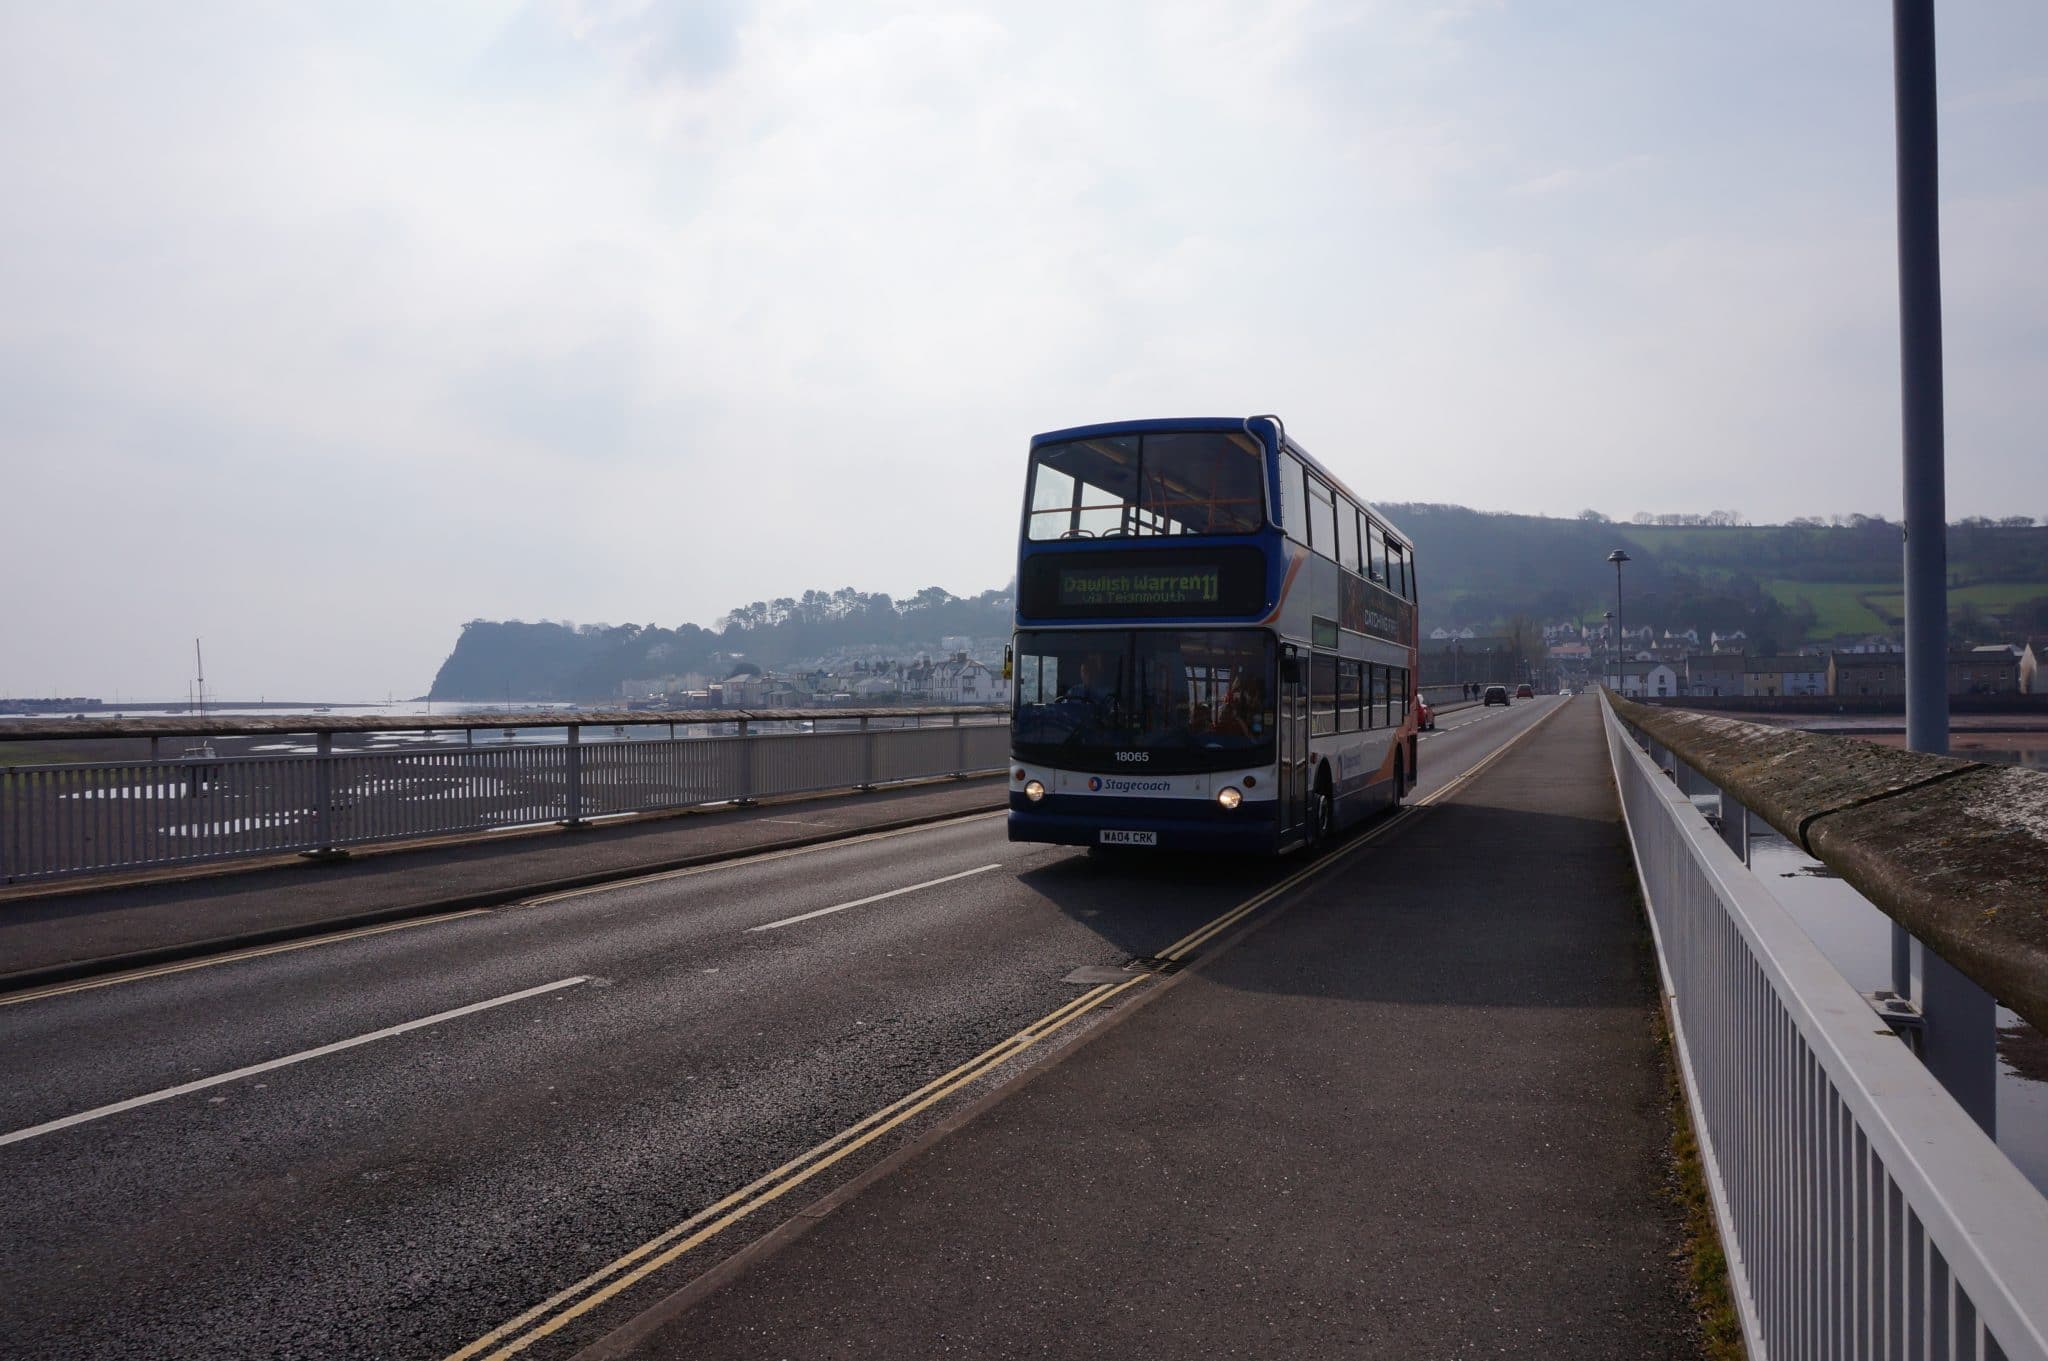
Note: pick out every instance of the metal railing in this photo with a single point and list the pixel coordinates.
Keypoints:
(1864, 1212)
(103, 816)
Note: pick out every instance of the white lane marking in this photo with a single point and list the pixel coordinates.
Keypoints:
(202, 1084)
(872, 898)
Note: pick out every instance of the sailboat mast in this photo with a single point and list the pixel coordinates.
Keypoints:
(199, 664)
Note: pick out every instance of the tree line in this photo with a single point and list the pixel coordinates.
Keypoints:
(515, 659)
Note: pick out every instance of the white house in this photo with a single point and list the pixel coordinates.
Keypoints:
(962, 681)
(1641, 679)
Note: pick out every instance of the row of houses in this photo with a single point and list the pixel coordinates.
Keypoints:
(1992, 670)
(1645, 638)
(958, 679)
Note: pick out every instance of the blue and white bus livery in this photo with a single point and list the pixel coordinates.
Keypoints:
(1215, 642)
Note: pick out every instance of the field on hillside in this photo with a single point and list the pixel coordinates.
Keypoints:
(1838, 606)
(1878, 606)
(1993, 597)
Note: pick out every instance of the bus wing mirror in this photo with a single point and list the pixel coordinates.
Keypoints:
(1290, 668)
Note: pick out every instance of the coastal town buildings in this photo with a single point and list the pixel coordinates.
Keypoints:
(1724, 665)
(1794, 675)
(1715, 674)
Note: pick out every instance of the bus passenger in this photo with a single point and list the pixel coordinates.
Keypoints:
(1243, 713)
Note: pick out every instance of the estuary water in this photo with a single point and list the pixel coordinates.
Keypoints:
(1857, 940)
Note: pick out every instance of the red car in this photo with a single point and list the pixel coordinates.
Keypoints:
(1524, 692)
(1425, 717)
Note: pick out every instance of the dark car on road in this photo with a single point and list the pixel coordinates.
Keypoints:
(1495, 694)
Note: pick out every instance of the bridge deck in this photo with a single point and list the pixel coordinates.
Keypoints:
(1420, 1113)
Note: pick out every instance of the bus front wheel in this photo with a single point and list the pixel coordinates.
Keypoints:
(1321, 813)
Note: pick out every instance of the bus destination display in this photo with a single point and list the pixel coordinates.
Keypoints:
(1139, 589)
(1133, 583)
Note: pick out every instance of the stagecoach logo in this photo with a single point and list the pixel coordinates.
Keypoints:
(1097, 784)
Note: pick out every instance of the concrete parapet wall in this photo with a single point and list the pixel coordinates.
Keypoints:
(1853, 704)
(1955, 851)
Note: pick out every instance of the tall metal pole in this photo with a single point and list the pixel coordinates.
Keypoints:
(1620, 638)
(1618, 557)
(1959, 1042)
(1921, 383)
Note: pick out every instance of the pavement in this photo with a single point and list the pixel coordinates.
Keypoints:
(59, 931)
(1419, 1113)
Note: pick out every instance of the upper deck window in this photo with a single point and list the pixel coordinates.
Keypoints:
(1293, 505)
(1205, 482)
(1322, 518)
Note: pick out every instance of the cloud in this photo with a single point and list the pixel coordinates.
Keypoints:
(328, 330)
(1570, 178)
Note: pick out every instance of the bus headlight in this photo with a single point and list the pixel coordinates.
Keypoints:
(1033, 790)
(1229, 797)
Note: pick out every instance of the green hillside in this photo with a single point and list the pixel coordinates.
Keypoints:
(1783, 584)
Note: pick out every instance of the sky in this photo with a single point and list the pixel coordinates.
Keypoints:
(326, 328)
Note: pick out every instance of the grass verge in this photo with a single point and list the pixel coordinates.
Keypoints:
(1706, 1264)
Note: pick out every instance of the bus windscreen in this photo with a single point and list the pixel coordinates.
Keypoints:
(1186, 699)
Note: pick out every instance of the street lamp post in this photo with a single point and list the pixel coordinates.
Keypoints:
(1608, 616)
(1959, 1040)
(1617, 557)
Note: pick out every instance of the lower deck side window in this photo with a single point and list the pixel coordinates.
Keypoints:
(1322, 690)
(1350, 686)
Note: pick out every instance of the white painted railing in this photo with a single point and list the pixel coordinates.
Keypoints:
(1864, 1212)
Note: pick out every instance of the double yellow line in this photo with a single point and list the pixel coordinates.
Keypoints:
(622, 1273)
(564, 1307)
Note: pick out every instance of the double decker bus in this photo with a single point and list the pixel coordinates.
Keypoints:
(1215, 644)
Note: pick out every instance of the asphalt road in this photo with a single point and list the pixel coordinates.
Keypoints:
(453, 1120)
